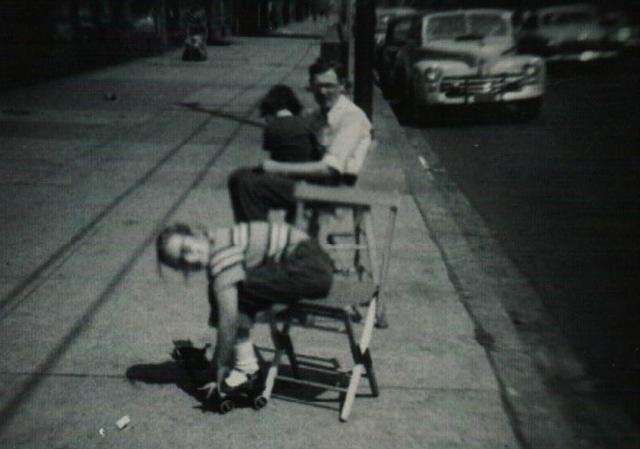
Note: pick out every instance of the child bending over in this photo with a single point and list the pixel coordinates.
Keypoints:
(249, 267)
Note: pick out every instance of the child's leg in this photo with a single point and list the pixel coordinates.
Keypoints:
(304, 273)
(245, 361)
(245, 356)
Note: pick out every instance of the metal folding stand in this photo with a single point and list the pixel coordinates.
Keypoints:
(346, 292)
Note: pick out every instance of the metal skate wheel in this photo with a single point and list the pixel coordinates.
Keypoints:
(259, 402)
(226, 406)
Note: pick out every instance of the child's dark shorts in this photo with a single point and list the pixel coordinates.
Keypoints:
(306, 272)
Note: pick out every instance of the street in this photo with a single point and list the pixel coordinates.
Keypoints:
(559, 195)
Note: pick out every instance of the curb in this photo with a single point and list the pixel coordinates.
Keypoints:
(535, 426)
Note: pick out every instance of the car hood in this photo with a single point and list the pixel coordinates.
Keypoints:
(472, 53)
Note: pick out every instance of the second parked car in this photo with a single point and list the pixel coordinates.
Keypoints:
(573, 32)
(395, 37)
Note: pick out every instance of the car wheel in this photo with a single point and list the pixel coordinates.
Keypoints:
(415, 111)
(397, 86)
(384, 84)
(408, 108)
(528, 110)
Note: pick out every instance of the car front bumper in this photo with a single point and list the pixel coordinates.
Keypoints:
(466, 91)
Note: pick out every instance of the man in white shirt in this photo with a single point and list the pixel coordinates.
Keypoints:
(342, 129)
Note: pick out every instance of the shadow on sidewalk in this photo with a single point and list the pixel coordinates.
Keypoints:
(171, 372)
(195, 106)
(189, 381)
(293, 35)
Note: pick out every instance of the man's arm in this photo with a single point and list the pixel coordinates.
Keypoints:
(346, 141)
(307, 170)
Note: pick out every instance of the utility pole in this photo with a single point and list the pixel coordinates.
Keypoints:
(344, 12)
(160, 16)
(365, 19)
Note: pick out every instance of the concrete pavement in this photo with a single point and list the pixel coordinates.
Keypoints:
(87, 324)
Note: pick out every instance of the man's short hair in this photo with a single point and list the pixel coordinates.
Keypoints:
(322, 65)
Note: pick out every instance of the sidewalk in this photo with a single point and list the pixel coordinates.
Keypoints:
(86, 183)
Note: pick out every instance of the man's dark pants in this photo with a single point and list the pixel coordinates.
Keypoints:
(253, 193)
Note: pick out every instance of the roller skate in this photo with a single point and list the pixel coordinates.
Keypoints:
(188, 355)
(192, 359)
(250, 391)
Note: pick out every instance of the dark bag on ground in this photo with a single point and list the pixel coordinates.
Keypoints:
(194, 49)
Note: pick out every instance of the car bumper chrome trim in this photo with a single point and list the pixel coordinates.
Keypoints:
(525, 92)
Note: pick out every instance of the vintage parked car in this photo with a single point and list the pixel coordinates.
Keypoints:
(572, 32)
(466, 57)
(623, 30)
(384, 16)
(395, 38)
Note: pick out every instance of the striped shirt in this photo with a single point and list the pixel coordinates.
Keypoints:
(248, 245)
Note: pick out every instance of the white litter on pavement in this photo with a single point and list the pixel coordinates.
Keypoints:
(122, 422)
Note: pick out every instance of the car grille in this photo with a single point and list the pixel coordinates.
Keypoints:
(463, 86)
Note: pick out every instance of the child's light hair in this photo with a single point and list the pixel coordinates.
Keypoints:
(179, 264)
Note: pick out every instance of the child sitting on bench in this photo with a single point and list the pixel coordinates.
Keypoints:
(287, 136)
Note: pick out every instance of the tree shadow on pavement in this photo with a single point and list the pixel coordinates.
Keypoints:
(195, 106)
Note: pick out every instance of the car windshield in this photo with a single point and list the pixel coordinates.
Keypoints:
(461, 26)
(487, 25)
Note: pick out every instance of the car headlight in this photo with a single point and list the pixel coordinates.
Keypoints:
(586, 36)
(553, 42)
(433, 74)
(623, 34)
(531, 68)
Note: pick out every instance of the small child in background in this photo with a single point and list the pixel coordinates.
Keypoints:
(287, 136)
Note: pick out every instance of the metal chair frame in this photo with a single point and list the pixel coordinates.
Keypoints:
(345, 294)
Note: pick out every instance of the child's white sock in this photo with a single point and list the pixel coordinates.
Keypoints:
(245, 363)
(246, 359)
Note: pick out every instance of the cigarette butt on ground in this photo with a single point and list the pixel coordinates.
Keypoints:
(122, 422)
